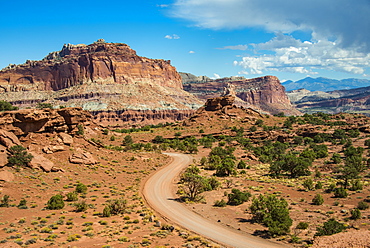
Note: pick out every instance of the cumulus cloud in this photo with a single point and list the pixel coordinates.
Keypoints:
(346, 20)
(191, 52)
(174, 37)
(237, 47)
(292, 55)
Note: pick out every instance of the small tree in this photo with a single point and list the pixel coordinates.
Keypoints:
(43, 105)
(127, 140)
(272, 212)
(194, 185)
(117, 206)
(318, 200)
(55, 202)
(81, 206)
(19, 156)
(362, 205)
(340, 193)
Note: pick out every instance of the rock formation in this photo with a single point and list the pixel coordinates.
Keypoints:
(264, 93)
(22, 122)
(103, 78)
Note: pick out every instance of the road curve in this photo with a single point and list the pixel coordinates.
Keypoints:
(158, 192)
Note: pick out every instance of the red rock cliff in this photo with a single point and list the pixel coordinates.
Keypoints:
(263, 93)
(78, 64)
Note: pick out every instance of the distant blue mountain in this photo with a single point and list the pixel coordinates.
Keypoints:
(325, 84)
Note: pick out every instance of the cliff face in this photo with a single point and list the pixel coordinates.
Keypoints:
(101, 77)
(78, 64)
(263, 93)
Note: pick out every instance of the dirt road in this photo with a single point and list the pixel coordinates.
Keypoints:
(159, 194)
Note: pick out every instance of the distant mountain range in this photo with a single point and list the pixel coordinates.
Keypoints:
(325, 84)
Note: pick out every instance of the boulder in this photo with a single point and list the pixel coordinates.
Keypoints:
(82, 157)
(8, 139)
(6, 176)
(66, 138)
(51, 149)
(3, 156)
(40, 162)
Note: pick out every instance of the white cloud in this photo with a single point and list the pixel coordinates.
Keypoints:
(237, 47)
(216, 76)
(346, 20)
(174, 36)
(291, 55)
(162, 5)
(191, 52)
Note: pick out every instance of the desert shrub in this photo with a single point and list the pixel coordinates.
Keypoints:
(43, 105)
(237, 197)
(318, 200)
(19, 156)
(362, 205)
(318, 185)
(6, 106)
(22, 204)
(72, 196)
(81, 206)
(241, 165)
(330, 227)
(55, 202)
(308, 184)
(81, 188)
(80, 129)
(4, 202)
(302, 225)
(298, 140)
(212, 183)
(336, 159)
(356, 185)
(107, 211)
(220, 203)
(367, 143)
(272, 212)
(340, 193)
(355, 214)
(253, 128)
(117, 206)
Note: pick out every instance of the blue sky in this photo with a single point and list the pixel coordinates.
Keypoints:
(218, 38)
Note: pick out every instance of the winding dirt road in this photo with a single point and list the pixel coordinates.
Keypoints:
(158, 192)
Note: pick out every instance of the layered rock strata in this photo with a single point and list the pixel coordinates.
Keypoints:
(101, 77)
(264, 93)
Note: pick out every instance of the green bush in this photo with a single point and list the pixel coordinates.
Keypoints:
(81, 188)
(55, 202)
(330, 227)
(237, 197)
(81, 206)
(22, 204)
(5, 201)
(272, 212)
(362, 205)
(6, 106)
(43, 105)
(221, 203)
(318, 200)
(340, 193)
(19, 156)
(308, 184)
(72, 196)
(355, 214)
(302, 225)
(241, 165)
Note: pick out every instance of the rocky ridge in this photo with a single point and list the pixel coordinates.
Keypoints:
(265, 94)
(100, 77)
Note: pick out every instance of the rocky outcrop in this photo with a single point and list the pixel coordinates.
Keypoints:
(22, 122)
(82, 157)
(264, 93)
(224, 109)
(100, 77)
